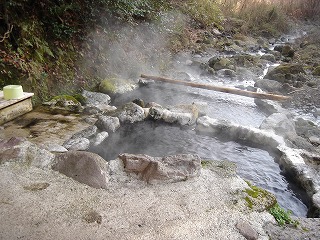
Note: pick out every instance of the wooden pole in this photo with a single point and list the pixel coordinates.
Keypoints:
(220, 89)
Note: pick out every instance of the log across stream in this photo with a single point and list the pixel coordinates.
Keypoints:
(219, 88)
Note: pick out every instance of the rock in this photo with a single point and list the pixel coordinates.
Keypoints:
(220, 63)
(316, 71)
(99, 138)
(226, 73)
(56, 148)
(280, 124)
(181, 114)
(269, 57)
(86, 133)
(269, 85)
(96, 98)
(268, 106)
(284, 72)
(108, 123)
(130, 112)
(23, 151)
(170, 168)
(287, 51)
(64, 103)
(84, 167)
(246, 230)
(202, 108)
(246, 60)
(114, 86)
(315, 208)
(77, 144)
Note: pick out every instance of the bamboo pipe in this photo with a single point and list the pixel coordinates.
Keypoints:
(219, 89)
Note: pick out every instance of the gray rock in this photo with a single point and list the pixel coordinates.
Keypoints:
(202, 108)
(84, 167)
(269, 57)
(269, 85)
(96, 98)
(108, 123)
(181, 114)
(170, 168)
(268, 106)
(246, 230)
(99, 138)
(23, 151)
(130, 112)
(77, 144)
(56, 148)
(86, 133)
(280, 124)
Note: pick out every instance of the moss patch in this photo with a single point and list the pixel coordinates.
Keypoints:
(316, 71)
(259, 199)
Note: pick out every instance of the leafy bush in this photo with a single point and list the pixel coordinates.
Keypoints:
(282, 216)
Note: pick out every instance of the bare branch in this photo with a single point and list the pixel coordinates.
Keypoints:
(7, 34)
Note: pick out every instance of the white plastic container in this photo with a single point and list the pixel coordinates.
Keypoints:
(12, 92)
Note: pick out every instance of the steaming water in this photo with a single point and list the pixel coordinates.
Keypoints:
(159, 139)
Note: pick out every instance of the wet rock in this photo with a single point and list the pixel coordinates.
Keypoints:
(268, 106)
(269, 85)
(280, 124)
(226, 73)
(84, 167)
(202, 108)
(96, 98)
(171, 168)
(314, 211)
(99, 138)
(77, 144)
(130, 112)
(93, 216)
(246, 230)
(181, 114)
(22, 151)
(108, 123)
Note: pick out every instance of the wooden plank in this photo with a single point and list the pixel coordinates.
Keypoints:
(10, 109)
(5, 103)
(219, 89)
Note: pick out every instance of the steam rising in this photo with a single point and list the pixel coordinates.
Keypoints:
(126, 51)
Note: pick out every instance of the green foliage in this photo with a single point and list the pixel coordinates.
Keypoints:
(282, 216)
(206, 12)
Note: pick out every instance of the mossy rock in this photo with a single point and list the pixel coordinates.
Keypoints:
(63, 98)
(113, 86)
(316, 71)
(259, 199)
(284, 72)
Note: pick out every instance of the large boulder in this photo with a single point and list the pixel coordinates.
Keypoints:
(108, 123)
(115, 86)
(85, 167)
(269, 85)
(130, 112)
(22, 151)
(285, 72)
(280, 124)
(171, 168)
(95, 98)
(218, 63)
